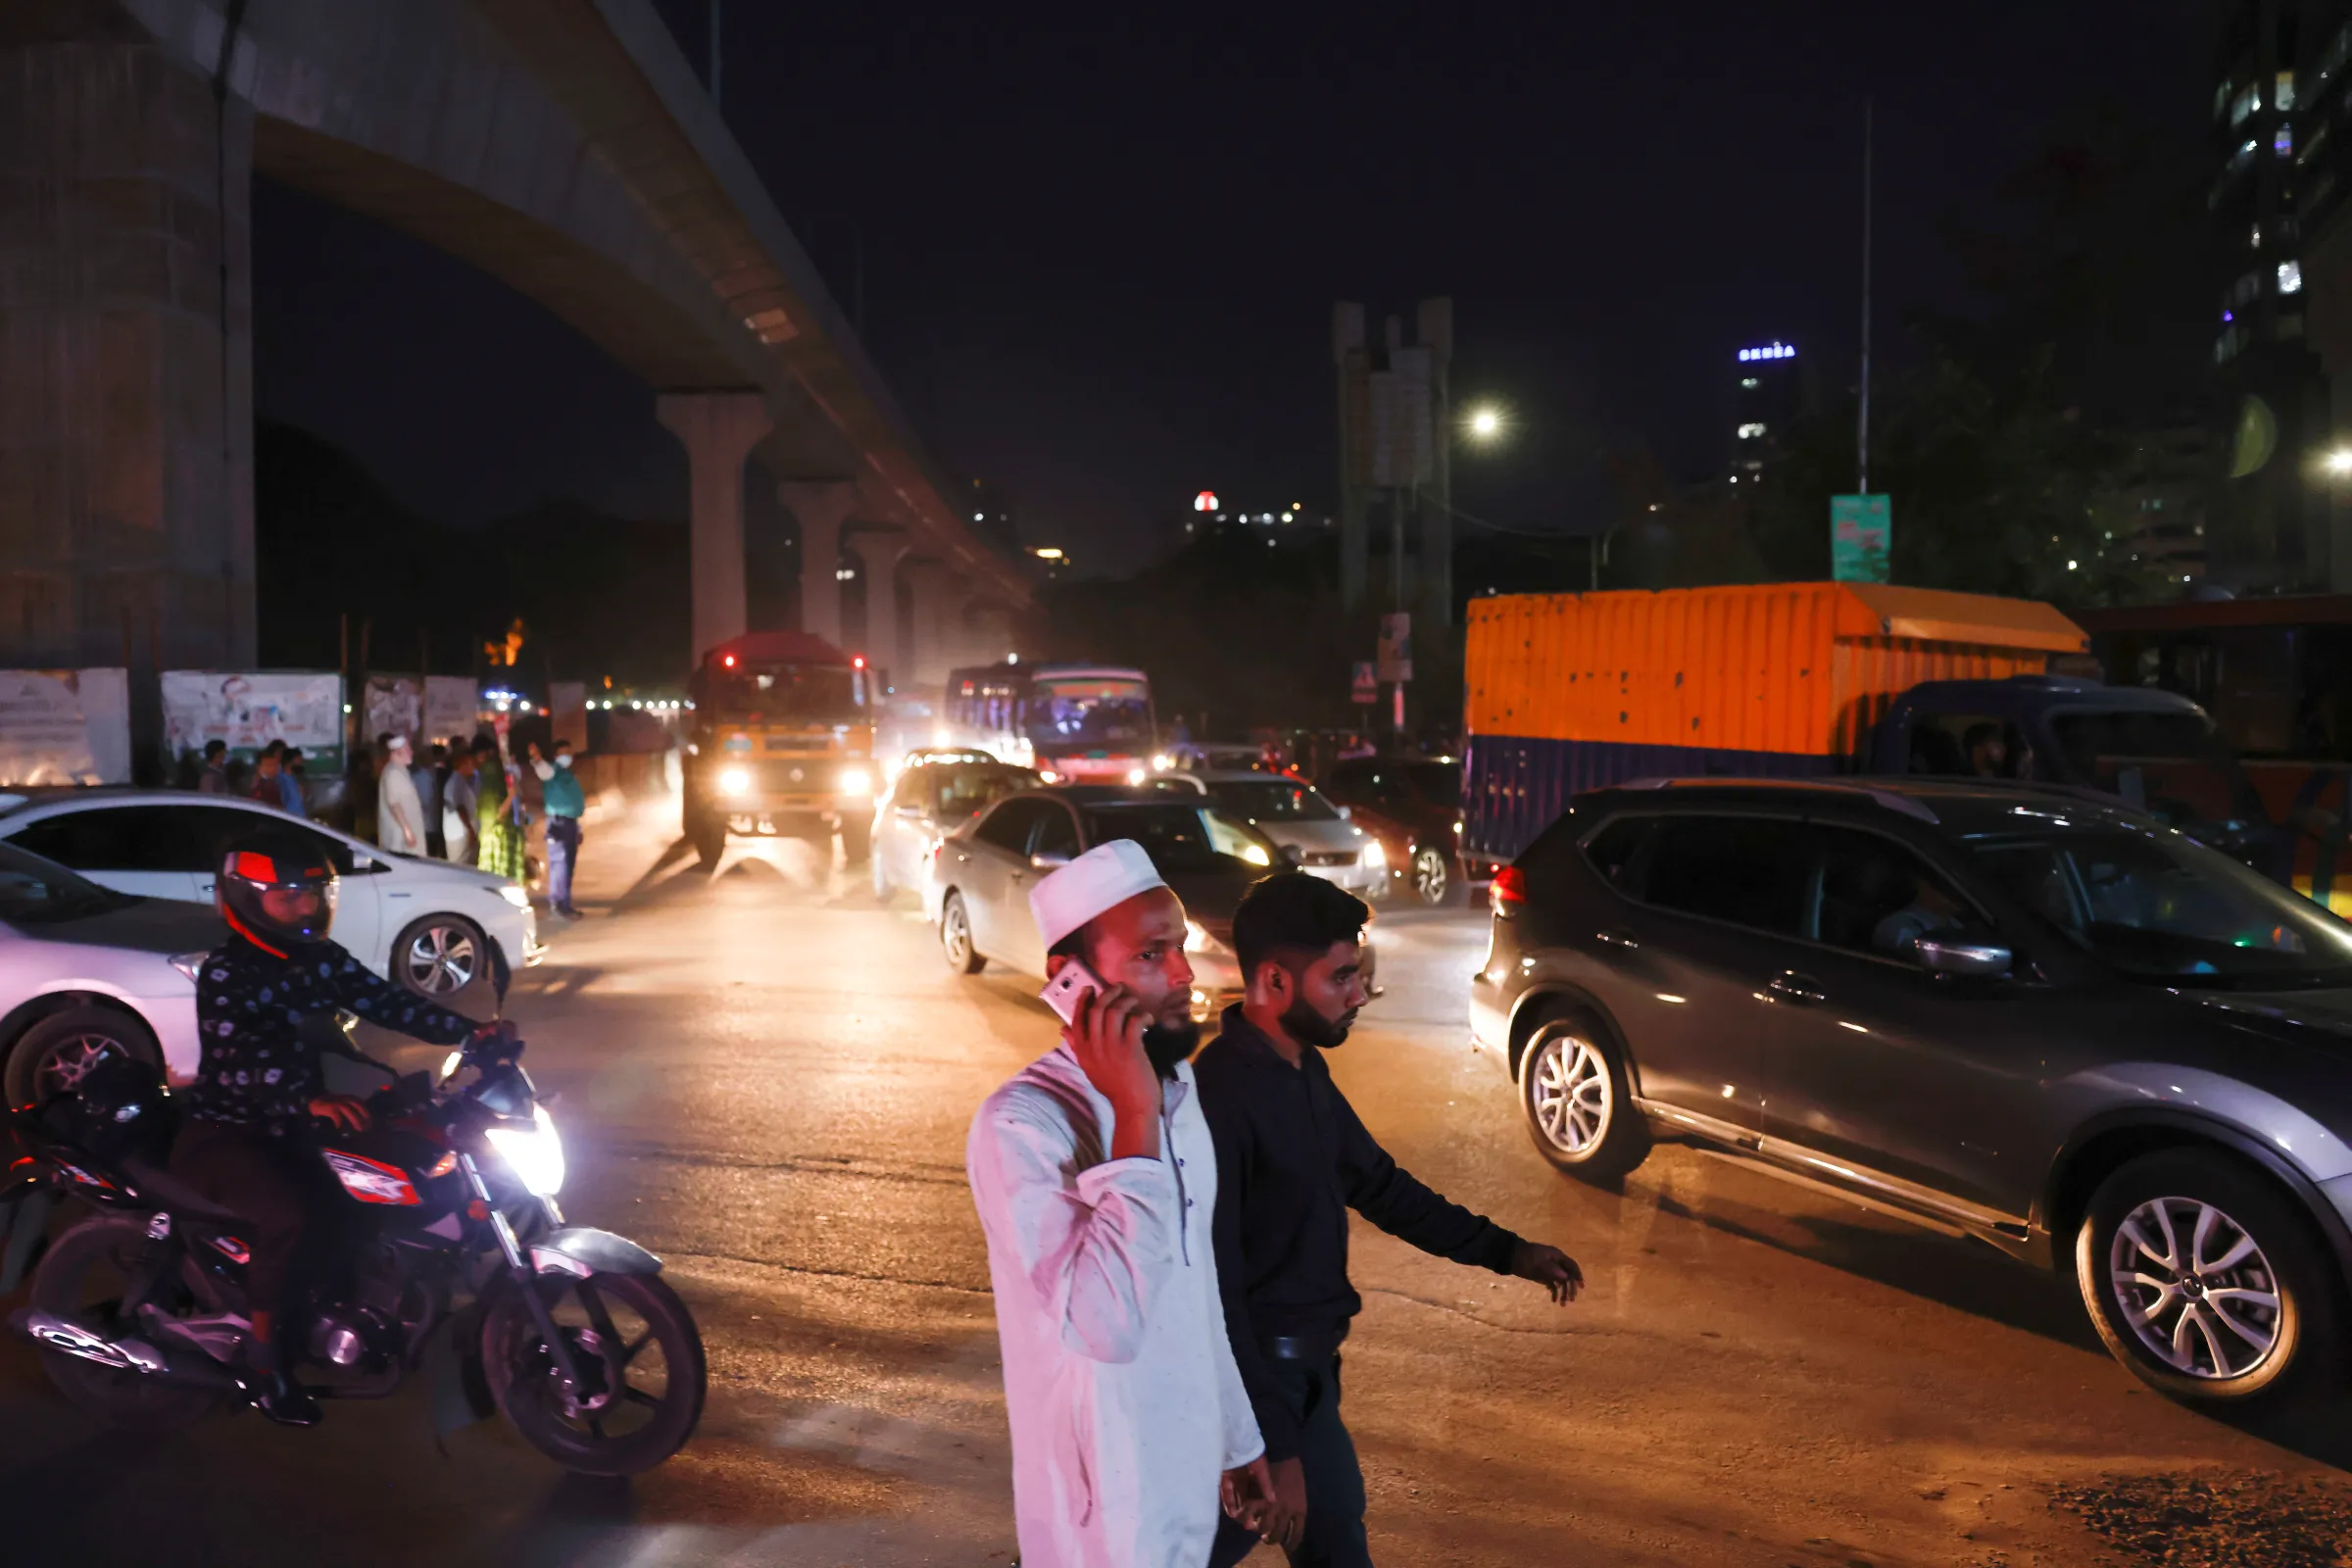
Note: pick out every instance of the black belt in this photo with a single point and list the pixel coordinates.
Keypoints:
(1304, 1346)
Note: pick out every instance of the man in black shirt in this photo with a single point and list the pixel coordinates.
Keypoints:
(258, 1082)
(1292, 1159)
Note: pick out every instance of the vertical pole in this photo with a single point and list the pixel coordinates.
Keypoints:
(1862, 430)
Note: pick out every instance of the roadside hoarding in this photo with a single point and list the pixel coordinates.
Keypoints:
(65, 726)
(1367, 681)
(249, 708)
(1861, 534)
(453, 707)
(394, 706)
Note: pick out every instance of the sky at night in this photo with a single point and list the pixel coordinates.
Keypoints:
(1098, 254)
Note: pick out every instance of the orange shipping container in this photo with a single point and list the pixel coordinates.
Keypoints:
(1566, 692)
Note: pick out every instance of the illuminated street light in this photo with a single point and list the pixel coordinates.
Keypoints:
(1483, 424)
(2339, 462)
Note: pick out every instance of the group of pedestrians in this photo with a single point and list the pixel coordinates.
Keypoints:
(276, 779)
(1169, 1242)
(465, 804)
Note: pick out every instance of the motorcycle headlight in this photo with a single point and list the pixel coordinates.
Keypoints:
(856, 782)
(734, 781)
(534, 1154)
(517, 893)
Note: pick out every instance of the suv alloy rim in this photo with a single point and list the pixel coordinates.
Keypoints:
(2195, 1287)
(1571, 1093)
(69, 1061)
(959, 932)
(440, 959)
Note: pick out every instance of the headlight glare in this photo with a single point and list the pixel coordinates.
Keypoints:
(856, 781)
(535, 1156)
(734, 781)
(1375, 857)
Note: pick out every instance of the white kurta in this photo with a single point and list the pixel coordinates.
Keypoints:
(395, 789)
(1125, 1402)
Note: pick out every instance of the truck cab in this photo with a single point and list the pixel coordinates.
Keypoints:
(781, 743)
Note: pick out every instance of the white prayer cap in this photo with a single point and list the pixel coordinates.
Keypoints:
(1107, 875)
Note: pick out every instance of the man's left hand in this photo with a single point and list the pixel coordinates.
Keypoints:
(1548, 1267)
(1247, 1494)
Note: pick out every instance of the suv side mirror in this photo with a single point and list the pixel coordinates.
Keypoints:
(1982, 959)
(1049, 859)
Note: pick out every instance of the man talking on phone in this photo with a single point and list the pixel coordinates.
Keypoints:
(1095, 1182)
(1292, 1160)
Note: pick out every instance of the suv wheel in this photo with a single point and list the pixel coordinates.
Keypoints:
(2207, 1282)
(1433, 878)
(1579, 1109)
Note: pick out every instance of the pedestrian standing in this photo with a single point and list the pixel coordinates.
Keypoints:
(427, 774)
(293, 782)
(461, 796)
(497, 816)
(1292, 1160)
(399, 815)
(214, 778)
(268, 776)
(1095, 1181)
(565, 802)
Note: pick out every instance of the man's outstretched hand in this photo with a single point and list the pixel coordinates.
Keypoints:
(1548, 1267)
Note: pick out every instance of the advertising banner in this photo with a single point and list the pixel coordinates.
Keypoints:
(453, 707)
(1396, 645)
(1367, 681)
(249, 708)
(1861, 533)
(65, 726)
(394, 706)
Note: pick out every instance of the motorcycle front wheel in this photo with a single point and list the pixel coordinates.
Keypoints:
(640, 1359)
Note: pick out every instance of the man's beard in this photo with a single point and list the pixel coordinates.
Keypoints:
(1167, 1043)
(1305, 1024)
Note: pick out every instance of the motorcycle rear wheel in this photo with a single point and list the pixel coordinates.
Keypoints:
(641, 1357)
(82, 1278)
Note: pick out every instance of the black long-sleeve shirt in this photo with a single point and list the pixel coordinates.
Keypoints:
(257, 1070)
(1292, 1159)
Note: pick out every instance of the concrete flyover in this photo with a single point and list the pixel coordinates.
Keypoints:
(563, 146)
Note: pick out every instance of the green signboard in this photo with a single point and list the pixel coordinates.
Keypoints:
(1861, 534)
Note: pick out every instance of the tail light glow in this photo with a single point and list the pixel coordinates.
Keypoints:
(1508, 888)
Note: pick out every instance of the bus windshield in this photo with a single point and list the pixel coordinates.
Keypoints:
(1090, 711)
(783, 694)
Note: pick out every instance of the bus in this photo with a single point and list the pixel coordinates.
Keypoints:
(1088, 723)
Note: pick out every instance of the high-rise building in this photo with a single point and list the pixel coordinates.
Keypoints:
(2281, 65)
(1769, 398)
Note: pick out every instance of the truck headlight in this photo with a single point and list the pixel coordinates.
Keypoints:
(856, 782)
(536, 1154)
(734, 781)
(515, 892)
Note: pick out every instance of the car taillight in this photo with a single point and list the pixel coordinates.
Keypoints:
(1509, 887)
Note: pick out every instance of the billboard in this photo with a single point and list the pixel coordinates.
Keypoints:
(249, 708)
(1861, 533)
(65, 726)
(453, 707)
(393, 706)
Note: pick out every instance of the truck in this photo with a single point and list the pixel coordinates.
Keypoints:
(780, 741)
(1572, 692)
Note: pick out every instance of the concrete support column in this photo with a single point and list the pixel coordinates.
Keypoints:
(718, 430)
(820, 506)
(932, 635)
(881, 549)
(125, 359)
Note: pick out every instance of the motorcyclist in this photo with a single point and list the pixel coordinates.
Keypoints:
(258, 1083)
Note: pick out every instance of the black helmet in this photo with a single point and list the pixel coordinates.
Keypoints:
(256, 875)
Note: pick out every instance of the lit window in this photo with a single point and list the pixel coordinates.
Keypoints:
(2256, 241)
(2290, 277)
(1747, 383)
(1749, 432)
(2282, 92)
(2282, 141)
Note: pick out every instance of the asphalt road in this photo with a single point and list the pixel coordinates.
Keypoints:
(765, 1077)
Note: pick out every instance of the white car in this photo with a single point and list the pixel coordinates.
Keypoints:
(934, 795)
(1294, 814)
(86, 973)
(429, 924)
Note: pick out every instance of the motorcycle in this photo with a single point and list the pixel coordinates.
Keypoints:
(451, 1258)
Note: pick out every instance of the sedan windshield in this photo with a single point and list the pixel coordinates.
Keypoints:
(2158, 907)
(33, 891)
(1273, 800)
(1182, 839)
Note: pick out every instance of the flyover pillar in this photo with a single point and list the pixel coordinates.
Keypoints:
(125, 359)
(881, 549)
(935, 620)
(718, 430)
(820, 506)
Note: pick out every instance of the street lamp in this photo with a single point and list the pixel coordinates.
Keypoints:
(2339, 462)
(1485, 423)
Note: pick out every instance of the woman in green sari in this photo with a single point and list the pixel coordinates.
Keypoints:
(495, 814)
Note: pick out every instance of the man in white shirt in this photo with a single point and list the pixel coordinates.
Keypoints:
(1095, 1182)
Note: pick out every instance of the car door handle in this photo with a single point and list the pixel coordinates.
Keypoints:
(1615, 939)
(1789, 986)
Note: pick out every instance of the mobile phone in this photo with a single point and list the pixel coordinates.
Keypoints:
(1062, 992)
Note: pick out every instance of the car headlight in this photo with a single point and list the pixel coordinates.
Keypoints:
(450, 1063)
(855, 781)
(1159, 764)
(734, 781)
(1375, 857)
(515, 892)
(1255, 856)
(534, 1154)
(1137, 775)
